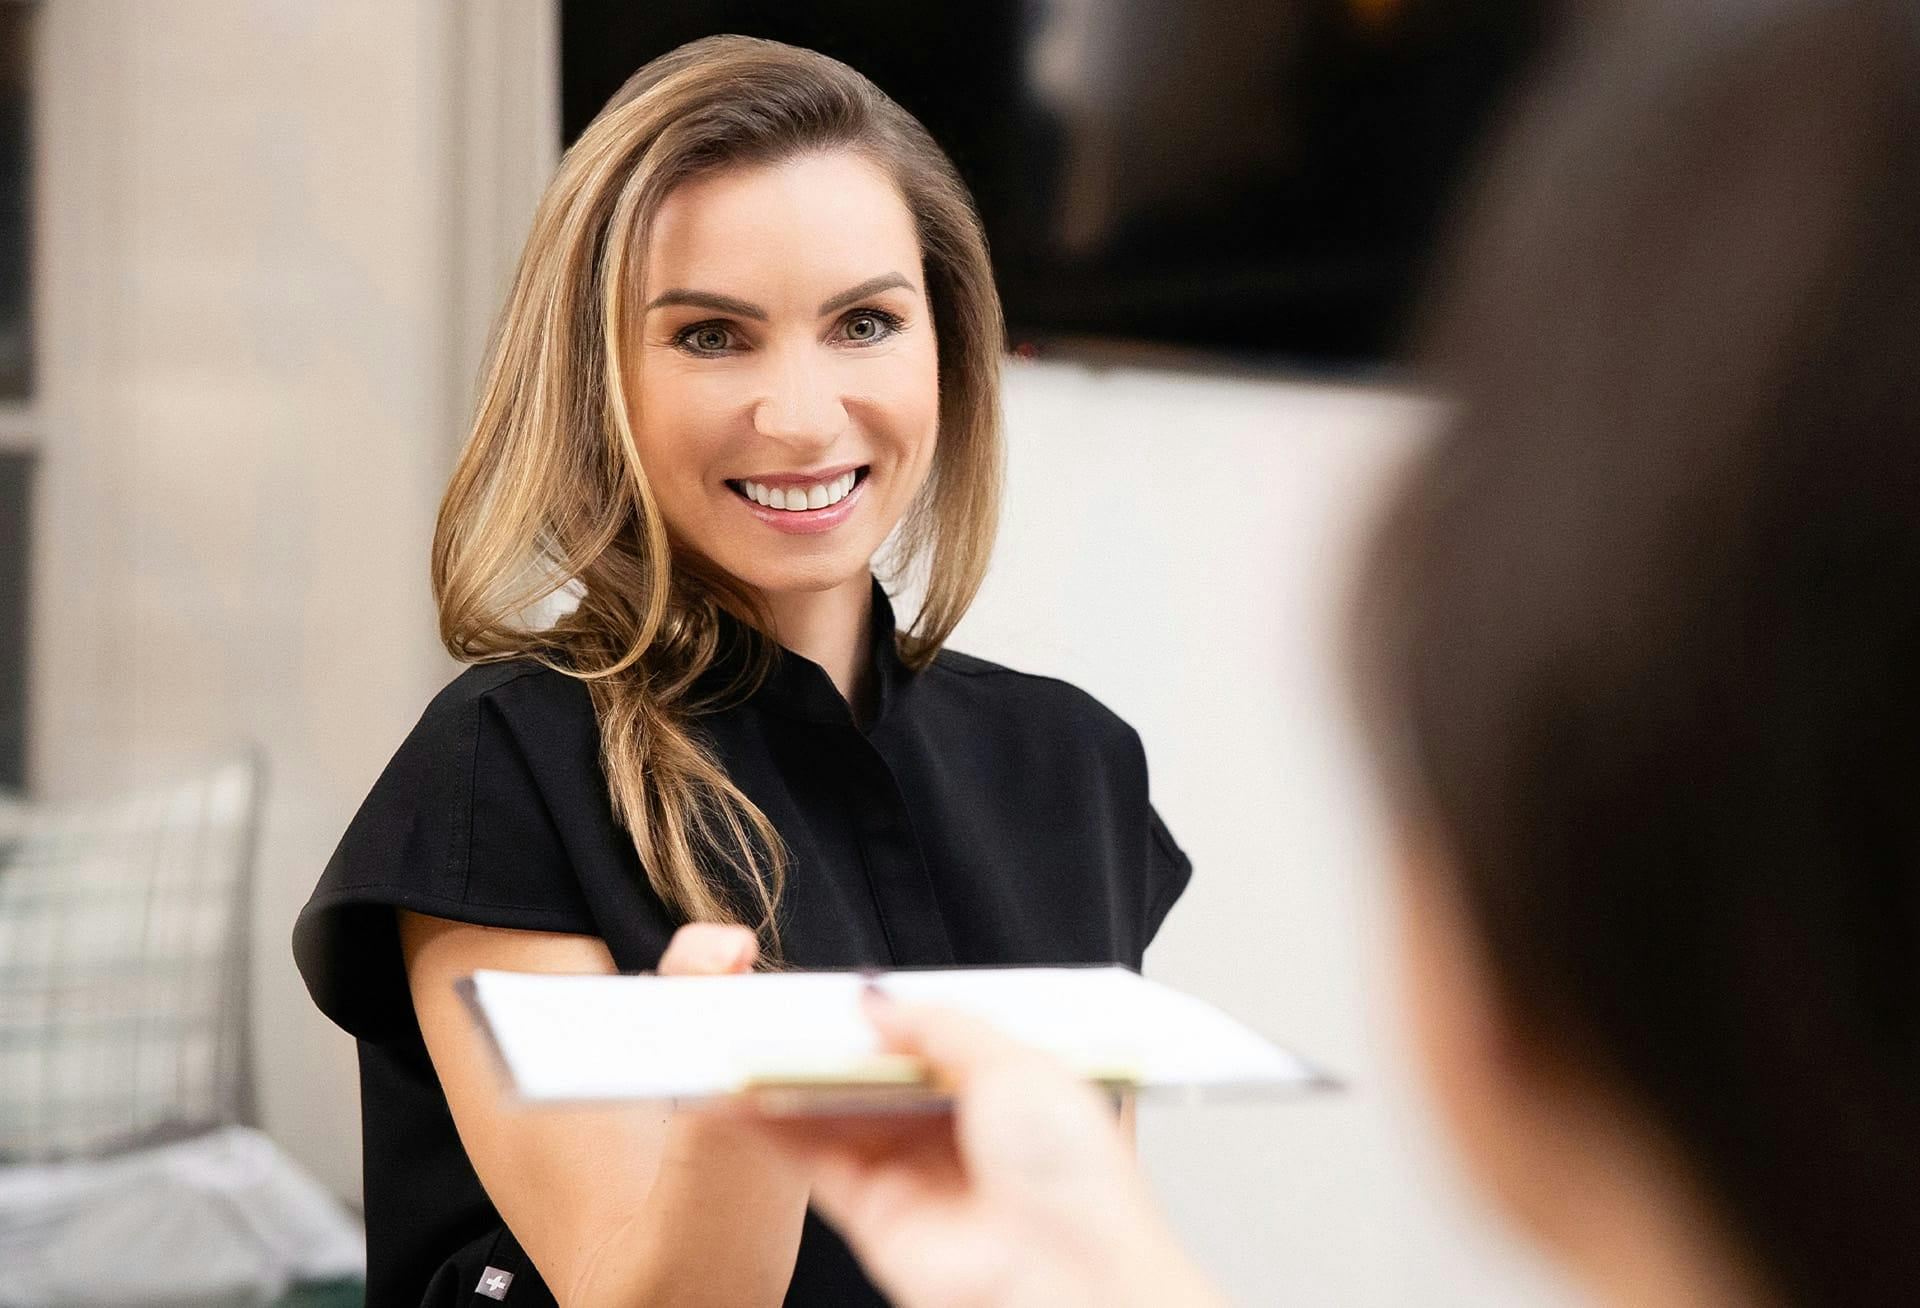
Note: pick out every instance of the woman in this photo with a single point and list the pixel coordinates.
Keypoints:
(753, 337)
(1640, 640)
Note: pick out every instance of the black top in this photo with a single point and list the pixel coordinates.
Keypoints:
(983, 816)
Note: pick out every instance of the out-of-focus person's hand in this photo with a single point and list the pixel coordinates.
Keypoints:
(1025, 1193)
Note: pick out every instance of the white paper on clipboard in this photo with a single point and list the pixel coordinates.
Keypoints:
(599, 1038)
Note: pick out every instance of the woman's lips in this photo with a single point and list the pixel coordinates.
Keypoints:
(805, 522)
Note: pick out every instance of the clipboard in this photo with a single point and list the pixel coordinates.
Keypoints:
(799, 1041)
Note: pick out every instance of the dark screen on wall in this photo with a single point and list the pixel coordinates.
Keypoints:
(1256, 180)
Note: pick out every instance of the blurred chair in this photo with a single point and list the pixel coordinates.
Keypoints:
(131, 1172)
(124, 930)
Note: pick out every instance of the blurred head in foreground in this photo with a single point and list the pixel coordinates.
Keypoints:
(1640, 647)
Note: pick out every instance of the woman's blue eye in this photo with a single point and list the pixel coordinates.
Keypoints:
(868, 325)
(705, 338)
(861, 327)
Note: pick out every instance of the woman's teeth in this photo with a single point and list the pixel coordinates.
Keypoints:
(794, 499)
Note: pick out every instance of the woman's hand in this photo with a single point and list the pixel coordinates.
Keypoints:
(1026, 1193)
(709, 949)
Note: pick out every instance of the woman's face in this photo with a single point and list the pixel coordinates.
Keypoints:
(786, 386)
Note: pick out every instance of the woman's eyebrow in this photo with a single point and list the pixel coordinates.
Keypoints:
(743, 309)
(871, 286)
(708, 300)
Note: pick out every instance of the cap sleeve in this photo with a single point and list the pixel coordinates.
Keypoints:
(1168, 871)
(1163, 867)
(456, 827)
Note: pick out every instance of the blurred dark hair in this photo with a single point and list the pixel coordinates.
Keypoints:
(1640, 634)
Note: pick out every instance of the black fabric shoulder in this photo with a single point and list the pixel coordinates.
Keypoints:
(952, 660)
(457, 826)
(1043, 703)
(1016, 704)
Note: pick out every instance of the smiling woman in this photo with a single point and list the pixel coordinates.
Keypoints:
(753, 345)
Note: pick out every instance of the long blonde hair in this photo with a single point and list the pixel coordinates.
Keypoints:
(549, 491)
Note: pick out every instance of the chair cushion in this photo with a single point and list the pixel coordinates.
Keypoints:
(122, 966)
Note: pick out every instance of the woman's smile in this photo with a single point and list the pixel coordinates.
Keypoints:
(803, 503)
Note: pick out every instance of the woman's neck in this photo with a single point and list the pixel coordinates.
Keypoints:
(830, 627)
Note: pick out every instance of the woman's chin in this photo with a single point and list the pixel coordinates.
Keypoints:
(804, 576)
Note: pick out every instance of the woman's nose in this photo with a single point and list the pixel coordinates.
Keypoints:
(801, 405)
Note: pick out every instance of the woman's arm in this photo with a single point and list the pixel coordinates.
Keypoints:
(623, 1204)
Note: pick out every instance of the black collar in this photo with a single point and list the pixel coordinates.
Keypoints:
(798, 687)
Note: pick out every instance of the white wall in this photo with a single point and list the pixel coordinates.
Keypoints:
(1179, 545)
(254, 244)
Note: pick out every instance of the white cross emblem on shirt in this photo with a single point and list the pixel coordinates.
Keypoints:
(494, 1283)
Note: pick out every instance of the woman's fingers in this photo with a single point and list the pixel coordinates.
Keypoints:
(861, 1192)
(959, 1050)
(954, 1045)
(709, 949)
(1021, 1118)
